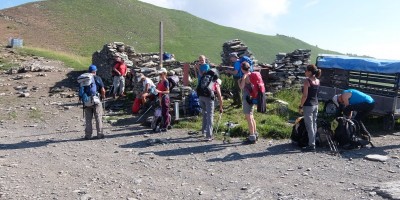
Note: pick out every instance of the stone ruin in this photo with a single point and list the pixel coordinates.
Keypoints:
(237, 46)
(145, 63)
(286, 71)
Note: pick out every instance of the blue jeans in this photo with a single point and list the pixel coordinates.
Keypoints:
(310, 119)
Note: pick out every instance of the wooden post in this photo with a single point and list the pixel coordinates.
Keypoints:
(161, 45)
(186, 68)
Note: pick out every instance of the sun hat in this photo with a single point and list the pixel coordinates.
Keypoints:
(92, 68)
(162, 70)
(234, 54)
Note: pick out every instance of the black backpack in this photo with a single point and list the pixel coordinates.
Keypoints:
(204, 87)
(348, 134)
(173, 82)
(299, 133)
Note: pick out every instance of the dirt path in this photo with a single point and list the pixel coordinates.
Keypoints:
(42, 156)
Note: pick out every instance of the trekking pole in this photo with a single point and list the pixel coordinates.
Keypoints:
(144, 114)
(218, 123)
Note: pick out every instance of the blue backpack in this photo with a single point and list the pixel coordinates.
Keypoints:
(194, 103)
(248, 60)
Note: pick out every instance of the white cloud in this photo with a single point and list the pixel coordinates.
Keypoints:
(311, 3)
(251, 15)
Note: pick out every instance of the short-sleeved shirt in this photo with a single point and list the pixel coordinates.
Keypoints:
(121, 68)
(358, 97)
(99, 83)
(236, 66)
(203, 68)
(148, 81)
(163, 86)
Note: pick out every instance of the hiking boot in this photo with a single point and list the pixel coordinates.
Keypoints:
(208, 139)
(169, 127)
(100, 136)
(309, 149)
(163, 130)
(87, 137)
(252, 139)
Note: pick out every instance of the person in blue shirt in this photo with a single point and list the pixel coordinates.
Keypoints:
(354, 100)
(202, 67)
(237, 75)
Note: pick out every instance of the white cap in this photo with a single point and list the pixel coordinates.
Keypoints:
(162, 70)
(219, 81)
(335, 100)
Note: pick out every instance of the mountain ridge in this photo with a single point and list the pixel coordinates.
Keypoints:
(83, 27)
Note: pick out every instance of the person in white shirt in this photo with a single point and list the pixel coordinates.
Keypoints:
(148, 87)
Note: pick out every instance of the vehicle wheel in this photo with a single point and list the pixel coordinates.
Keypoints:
(330, 109)
(388, 122)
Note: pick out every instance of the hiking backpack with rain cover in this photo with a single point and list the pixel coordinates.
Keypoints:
(205, 87)
(88, 90)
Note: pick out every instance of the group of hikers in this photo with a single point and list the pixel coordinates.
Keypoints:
(249, 90)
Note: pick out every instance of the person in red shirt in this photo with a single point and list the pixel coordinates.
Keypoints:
(163, 95)
(119, 73)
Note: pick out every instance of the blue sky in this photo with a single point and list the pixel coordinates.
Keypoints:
(364, 27)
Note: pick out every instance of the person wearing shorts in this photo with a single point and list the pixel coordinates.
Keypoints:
(245, 86)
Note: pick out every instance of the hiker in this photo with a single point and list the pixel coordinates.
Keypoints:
(245, 86)
(149, 88)
(211, 82)
(96, 109)
(163, 96)
(237, 75)
(119, 72)
(309, 104)
(202, 67)
(354, 100)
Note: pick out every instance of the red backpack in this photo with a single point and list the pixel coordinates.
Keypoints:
(257, 84)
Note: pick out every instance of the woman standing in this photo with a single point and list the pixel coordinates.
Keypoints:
(309, 104)
(163, 96)
(245, 86)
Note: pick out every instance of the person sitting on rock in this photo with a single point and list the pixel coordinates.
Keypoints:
(119, 72)
(149, 88)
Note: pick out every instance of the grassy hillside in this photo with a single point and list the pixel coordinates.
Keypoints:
(82, 27)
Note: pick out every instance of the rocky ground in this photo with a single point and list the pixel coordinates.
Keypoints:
(42, 155)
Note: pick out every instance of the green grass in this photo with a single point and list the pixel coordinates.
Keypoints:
(70, 60)
(269, 125)
(35, 114)
(5, 64)
(83, 27)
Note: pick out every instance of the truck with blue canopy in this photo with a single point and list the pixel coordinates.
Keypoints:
(377, 77)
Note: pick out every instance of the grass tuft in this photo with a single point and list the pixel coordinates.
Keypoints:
(70, 60)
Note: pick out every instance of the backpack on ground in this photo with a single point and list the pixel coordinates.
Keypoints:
(248, 60)
(299, 134)
(173, 82)
(194, 103)
(205, 87)
(348, 134)
(88, 90)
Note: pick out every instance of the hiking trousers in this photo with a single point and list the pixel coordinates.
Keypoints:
(119, 84)
(97, 112)
(165, 104)
(237, 93)
(310, 120)
(207, 106)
